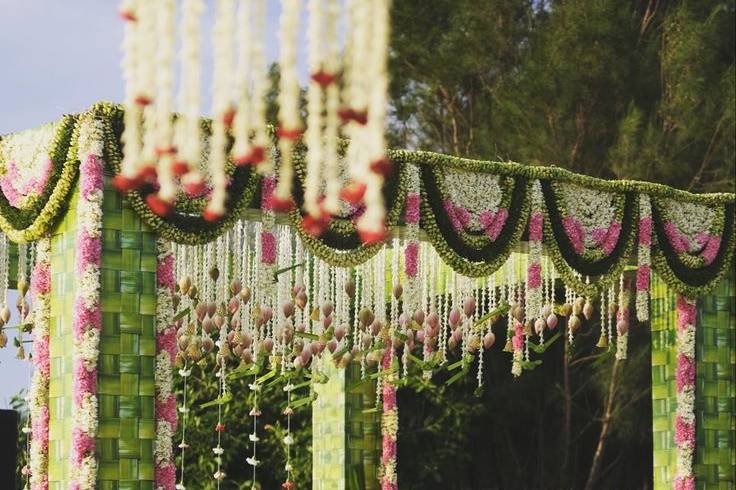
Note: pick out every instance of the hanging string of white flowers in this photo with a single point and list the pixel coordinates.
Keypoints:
(289, 120)
(222, 107)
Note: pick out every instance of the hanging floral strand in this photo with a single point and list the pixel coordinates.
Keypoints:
(87, 318)
(389, 427)
(188, 136)
(622, 320)
(39, 391)
(644, 252)
(371, 224)
(685, 384)
(534, 297)
(222, 107)
(165, 470)
(290, 125)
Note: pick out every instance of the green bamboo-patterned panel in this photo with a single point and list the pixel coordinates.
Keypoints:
(345, 441)
(61, 345)
(127, 349)
(716, 389)
(715, 396)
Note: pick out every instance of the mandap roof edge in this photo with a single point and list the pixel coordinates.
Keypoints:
(473, 212)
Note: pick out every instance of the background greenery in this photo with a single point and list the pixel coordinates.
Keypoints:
(611, 88)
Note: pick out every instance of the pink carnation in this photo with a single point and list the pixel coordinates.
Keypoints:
(685, 483)
(82, 446)
(452, 215)
(85, 381)
(85, 318)
(165, 272)
(166, 410)
(684, 433)
(642, 277)
(684, 372)
(645, 231)
(90, 176)
(41, 353)
(712, 246)
(574, 232)
(41, 279)
(686, 312)
(536, 221)
(268, 247)
(411, 257)
(90, 251)
(411, 213)
(166, 342)
(614, 231)
(165, 475)
(268, 184)
(493, 223)
(463, 215)
(388, 449)
(534, 275)
(40, 428)
(678, 242)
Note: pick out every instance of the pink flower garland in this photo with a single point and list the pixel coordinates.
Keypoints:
(87, 318)
(39, 393)
(685, 384)
(493, 223)
(12, 176)
(389, 428)
(165, 405)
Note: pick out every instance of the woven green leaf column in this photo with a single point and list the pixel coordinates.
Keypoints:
(715, 405)
(346, 441)
(125, 384)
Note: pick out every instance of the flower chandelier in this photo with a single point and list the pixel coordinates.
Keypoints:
(345, 97)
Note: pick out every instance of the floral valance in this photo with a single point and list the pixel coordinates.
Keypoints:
(475, 213)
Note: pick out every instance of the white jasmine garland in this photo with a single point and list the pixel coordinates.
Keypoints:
(518, 357)
(89, 285)
(686, 404)
(88, 348)
(163, 376)
(163, 104)
(164, 309)
(332, 103)
(221, 101)
(85, 414)
(474, 191)
(130, 67)
(86, 473)
(373, 219)
(243, 118)
(686, 341)
(163, 450)
(288, 96)
(690, 218)
(315, 95)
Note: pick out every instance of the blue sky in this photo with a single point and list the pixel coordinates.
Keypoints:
(60, 57)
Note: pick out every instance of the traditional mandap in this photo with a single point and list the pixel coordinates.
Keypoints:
(121, 302)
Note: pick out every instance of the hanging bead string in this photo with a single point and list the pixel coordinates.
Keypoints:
(622, 319)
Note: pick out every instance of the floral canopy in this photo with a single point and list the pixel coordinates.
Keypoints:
(473, 212)
(455, 224)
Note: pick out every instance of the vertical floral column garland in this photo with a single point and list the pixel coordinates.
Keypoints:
(165, 470)
(685, 383)
(39, 393)
(389, 428)
(622, 320)
(87, 321)
(534, 299)
(644, 253)
(411, 260)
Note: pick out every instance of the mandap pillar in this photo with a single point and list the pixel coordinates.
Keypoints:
(124, 441)
(346, 432)
(715, 387)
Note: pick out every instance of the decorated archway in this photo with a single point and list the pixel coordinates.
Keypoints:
(121, 302)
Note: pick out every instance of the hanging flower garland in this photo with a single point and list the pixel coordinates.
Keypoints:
(644, 258)
(87, 319)
(533, 296)
(622, 320)
(588, 233)
(389, 428)
(39, 391)
(37, 171)
(165, 470)
(685, 384)
(694, 243)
